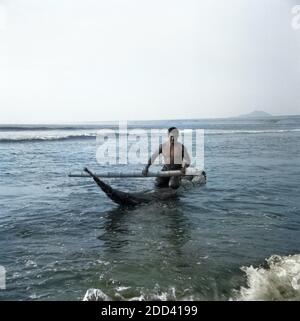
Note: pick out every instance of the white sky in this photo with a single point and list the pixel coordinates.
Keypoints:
(96, 60)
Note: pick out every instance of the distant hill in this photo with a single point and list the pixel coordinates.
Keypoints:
(256, 114)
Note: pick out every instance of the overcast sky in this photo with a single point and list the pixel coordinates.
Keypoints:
(95, 60)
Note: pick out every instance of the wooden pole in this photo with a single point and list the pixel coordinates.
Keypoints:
(189, 172)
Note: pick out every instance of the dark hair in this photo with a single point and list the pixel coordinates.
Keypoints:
(171, 129)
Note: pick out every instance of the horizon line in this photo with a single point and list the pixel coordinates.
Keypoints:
(243, 116)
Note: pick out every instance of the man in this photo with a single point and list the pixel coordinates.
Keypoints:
(176, 157)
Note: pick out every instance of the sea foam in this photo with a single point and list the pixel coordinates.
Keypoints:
(279, 280)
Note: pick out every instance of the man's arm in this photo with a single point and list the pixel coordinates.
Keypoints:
(152, 160)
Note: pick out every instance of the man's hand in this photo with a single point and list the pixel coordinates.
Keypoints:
(183, 170)
(145, 171)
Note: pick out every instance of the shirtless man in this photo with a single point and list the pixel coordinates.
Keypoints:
(176, 157)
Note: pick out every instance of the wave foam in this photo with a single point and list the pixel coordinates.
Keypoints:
(280, 280)
(277, 280)
(244, 131)
(96, 295)
(41, 138)
(59, 135)
(140, 295)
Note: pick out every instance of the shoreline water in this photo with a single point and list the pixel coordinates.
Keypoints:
(60, 237)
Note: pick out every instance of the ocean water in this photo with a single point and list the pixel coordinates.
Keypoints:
(237, 238)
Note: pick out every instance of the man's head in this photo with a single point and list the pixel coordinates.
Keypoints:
(173, 133)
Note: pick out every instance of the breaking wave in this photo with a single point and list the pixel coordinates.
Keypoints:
(279, 280)
(41, 138)
(30, 135)
(96, 295)
(9, 128)
(242, 131)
